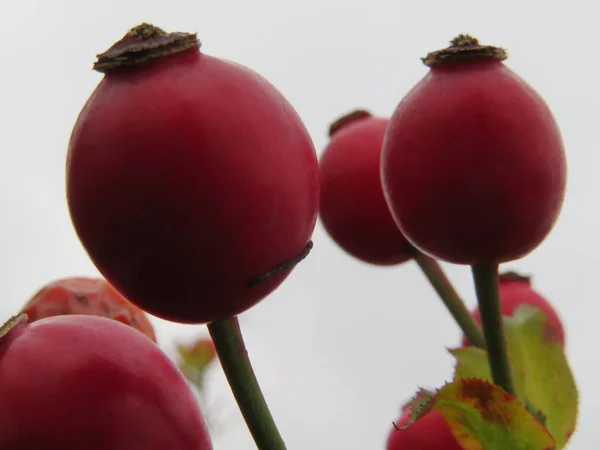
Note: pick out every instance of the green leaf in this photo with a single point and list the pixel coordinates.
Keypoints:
(483, 417)
(471, 363)
(542, 376)
(548, 381)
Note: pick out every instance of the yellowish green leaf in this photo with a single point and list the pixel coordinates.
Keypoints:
(195, 359)
(542, 377)
(483, 417)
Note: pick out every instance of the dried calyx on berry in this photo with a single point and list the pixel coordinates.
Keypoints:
(11, 324)
(353, 116)
(143, 43)
(516, 277)
(464, 48)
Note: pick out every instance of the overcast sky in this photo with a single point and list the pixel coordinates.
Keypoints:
(341, 345)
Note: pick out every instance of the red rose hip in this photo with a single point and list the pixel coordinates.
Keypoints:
(87, 382)
(473, 166)
(89, 296)
(515, 290)
(189, 177)
(353, 209)
(430, 432)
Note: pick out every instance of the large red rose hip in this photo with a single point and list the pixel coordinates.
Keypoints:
(353, 209)
(89, 296)
(188, 177)
(473, 165)
(87, 382)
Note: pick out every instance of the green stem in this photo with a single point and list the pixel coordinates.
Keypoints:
(486, 286)
(227, 337)
(440, 282)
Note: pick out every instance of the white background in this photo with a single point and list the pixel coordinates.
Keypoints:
(340, 345)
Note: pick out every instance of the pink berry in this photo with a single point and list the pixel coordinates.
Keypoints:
(87, 382)
(515, 290)
(430, 432)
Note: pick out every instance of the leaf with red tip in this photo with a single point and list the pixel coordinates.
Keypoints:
(483, 417)
(194, 359)
(541, 373)
(419, 404)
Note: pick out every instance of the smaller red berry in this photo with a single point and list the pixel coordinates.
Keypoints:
(515, 290)
(87, 296)
(353, 209)
(430, 432)
(473, 164)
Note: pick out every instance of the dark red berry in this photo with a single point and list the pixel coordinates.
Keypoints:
(189, 177)
(473, 165)
(353, 209)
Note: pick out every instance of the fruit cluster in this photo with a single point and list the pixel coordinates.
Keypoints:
(355, 213)
(195, 187)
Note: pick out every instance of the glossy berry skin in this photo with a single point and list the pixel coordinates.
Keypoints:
(89, 296)
(187, 177)
(87, 382)
(353, 209)
(473, 165)
(430, 432)
(516, 291)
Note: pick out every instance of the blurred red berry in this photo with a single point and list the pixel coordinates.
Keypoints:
(353, 209)
(89, 296)
(515, 290)
(430, 432)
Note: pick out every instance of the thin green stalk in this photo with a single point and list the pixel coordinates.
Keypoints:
(227, 337)
(440, 282)
(486, 286)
